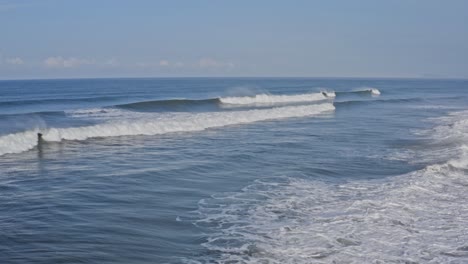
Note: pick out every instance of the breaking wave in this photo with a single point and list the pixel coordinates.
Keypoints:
(272, 99)
(18, 142)
(152, 124)
(257, 100)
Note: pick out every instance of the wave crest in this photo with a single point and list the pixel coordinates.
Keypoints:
(272, 99)
(156, 124)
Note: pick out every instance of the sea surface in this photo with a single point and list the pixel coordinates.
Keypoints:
(234, 170)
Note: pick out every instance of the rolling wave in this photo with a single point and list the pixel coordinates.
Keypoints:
(172, 104)
(183, 104)
(257, 100)
(364, 90)
(156, 124)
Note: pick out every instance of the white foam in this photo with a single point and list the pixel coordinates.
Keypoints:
(416, 218)
(374, 91)
(153, 124)
(18, 142)
(272, 99)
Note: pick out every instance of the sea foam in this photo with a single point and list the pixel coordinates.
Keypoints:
(309, 220)
(305, 221)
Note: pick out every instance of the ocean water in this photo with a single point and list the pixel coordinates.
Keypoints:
(240, 170)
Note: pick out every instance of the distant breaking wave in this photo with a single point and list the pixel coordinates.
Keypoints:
(186, 105)
(273, 99)
(154, 125)
(259, 99)
(364, 90)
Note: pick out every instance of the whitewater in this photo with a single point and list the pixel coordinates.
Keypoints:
(234, 170)
(144, 124)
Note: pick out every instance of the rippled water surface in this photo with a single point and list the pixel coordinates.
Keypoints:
(234, 171)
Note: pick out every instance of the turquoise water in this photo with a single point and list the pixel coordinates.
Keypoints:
(234, 171)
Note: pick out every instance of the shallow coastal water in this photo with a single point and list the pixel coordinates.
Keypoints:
(234, 171)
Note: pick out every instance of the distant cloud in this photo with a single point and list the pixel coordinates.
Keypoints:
(111, 62)
(14, 61)
(71, 62)
(212, 63)
(203, 64)
(163, 63)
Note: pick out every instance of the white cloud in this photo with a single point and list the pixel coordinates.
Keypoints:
(60, 62)
(111, 63)
(163, 63)
(212, 63)
(14, 61)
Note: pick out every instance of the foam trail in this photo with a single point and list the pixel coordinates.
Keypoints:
(272, 99)
(154, 124)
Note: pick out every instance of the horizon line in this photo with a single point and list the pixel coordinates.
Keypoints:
(239, 77)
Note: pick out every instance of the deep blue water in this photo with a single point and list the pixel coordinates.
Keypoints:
(234, 170)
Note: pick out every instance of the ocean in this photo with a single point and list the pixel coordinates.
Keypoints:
(234, 170)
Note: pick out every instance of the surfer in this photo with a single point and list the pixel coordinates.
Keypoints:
(40, 141)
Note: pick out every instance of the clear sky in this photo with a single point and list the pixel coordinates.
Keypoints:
(176, 38)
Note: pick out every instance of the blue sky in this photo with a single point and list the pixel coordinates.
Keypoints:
(176, 38)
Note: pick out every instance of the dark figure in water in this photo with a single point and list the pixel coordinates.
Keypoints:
(39, 145)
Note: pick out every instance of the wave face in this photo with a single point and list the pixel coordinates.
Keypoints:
(150, 124)
(294, 220)
(272, 99)
(171, 104)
